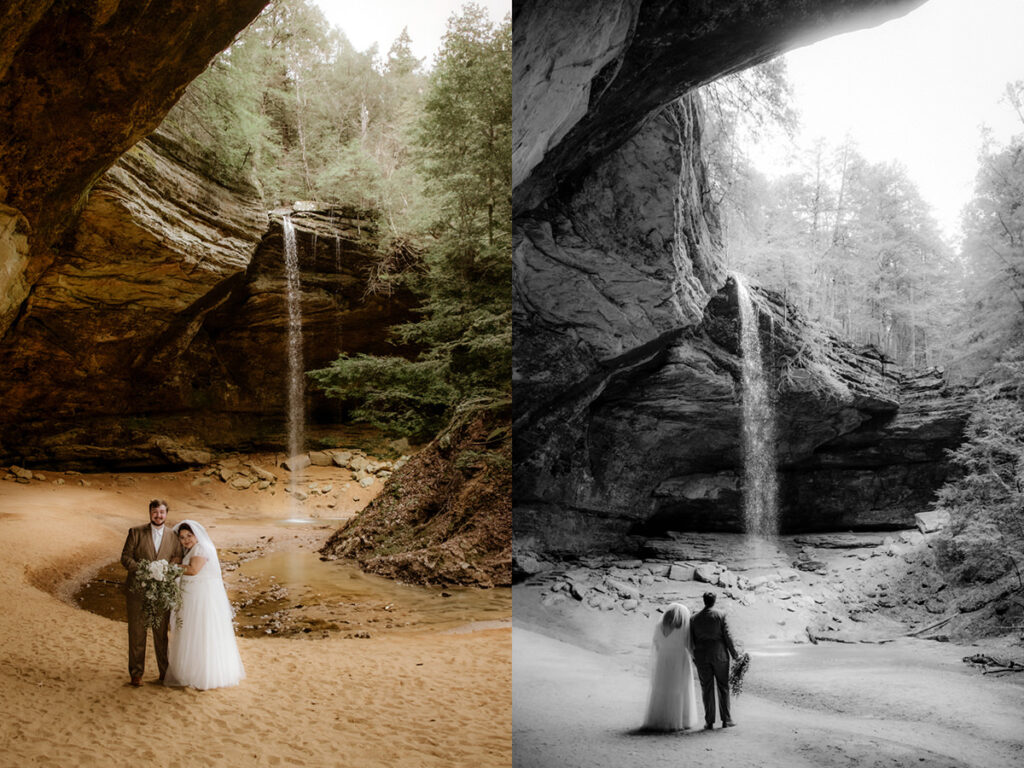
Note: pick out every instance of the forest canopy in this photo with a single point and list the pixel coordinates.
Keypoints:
(293, 107)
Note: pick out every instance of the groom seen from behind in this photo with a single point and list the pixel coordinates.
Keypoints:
(712, 648)
(147, 542)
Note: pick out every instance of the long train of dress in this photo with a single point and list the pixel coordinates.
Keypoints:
(672, 705)
(203, 652)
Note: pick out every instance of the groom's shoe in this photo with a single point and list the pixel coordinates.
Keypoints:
(709, 727)
(728, 724)
(137, 681)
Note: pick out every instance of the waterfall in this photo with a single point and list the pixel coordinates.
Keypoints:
(760, 481)
(296, 380)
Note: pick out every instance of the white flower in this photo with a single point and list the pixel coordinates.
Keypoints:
(158, 569)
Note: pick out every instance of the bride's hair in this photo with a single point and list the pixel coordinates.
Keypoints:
(673, 618)
(185, 527)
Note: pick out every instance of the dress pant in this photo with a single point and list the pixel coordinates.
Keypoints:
(714, 674)
(137, 631)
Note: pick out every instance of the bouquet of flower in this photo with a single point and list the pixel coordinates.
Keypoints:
(736, 674)
(157, 582)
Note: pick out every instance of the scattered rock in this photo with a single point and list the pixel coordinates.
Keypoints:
(241, 482)
(366, 482)
(263, 474)
(624, 590)
(630, 605)
(681, 572)
(707, 573)
(300, 495)
(342, 459)
(20, 473)
(225, 474)
(929, 522)
(358, 463)
(296, 463)
(628, 564)
(202, 481)
(528, 564)
(320, 458)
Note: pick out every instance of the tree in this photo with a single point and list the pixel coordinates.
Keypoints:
(462, 150)
(985, 537)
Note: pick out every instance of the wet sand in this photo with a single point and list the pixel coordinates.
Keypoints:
(401, 699)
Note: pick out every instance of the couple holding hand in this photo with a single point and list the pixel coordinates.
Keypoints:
(685, 648)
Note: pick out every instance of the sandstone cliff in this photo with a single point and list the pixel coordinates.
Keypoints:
(625, 355)
(159, 329)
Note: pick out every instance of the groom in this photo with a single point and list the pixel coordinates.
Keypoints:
(712, 647)
(153, 541)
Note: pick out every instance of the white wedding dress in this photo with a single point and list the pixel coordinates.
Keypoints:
(202, 652)
(672, 705)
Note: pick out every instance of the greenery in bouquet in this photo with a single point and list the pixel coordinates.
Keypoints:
(157, 582)
(737, 673)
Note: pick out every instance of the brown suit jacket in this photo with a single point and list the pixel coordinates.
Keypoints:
(139, 546)
(712, 642)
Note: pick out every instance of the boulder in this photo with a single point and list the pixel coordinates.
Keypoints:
(681, 572)
(930, 522)
(341, 459)
(321, 458)
(263, 474)
(296, 463)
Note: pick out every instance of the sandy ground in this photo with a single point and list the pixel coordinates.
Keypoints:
(423, 699)
(906, 703)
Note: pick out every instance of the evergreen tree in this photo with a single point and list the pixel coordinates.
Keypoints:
(462, 151)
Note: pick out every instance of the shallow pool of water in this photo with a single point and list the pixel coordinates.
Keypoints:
(294, 593)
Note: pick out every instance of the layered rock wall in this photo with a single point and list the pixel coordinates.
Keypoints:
(626, 369)
(160, 328)
(80, 83)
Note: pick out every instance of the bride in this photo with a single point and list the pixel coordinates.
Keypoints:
(672, 705)
(202, 652)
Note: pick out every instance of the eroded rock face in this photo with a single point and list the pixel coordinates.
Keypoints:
(80, 83)
(626, 366)
(589, 73)
(631, 256)
(657, 446)
(160, 329)
(248, 334)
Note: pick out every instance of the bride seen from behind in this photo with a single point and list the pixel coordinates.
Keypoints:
(672, 704)
(202, 653)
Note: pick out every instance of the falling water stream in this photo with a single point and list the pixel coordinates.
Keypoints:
(760, 482)
(296, 385)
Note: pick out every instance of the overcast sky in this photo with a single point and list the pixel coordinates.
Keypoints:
(380, 21)
(917, 90)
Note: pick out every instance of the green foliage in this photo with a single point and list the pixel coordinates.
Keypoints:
(462, 151)
(292, 105)
(985, 538)
(394, 394)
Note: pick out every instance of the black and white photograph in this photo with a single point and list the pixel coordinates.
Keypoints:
(767, 380)
(255, 388)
